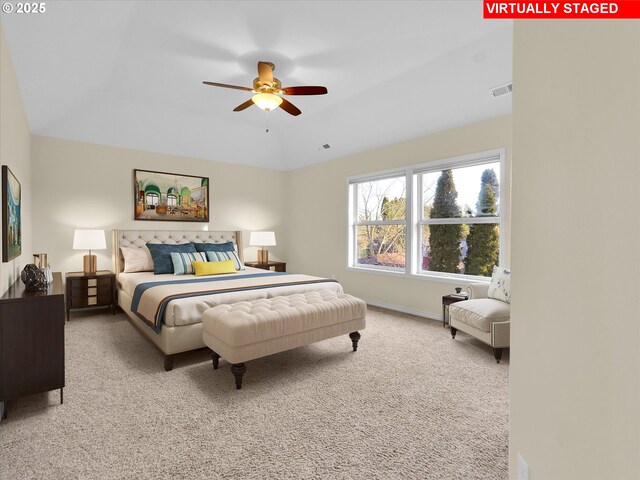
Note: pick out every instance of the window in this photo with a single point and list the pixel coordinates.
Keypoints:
(453, 207)
(380, 226)
(152, 198)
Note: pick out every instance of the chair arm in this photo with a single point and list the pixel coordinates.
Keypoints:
(478, 290)
(500, 334)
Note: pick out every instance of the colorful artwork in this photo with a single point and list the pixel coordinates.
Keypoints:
(170, 197)
(11, 224)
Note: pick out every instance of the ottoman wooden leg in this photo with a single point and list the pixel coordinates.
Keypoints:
(453, 332)
(214, 358)
(238, 370)
(355, 336)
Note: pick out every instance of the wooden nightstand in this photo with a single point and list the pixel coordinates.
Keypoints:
(277, 266)
(87, 290)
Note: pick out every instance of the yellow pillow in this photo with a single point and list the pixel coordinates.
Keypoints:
(214, 268)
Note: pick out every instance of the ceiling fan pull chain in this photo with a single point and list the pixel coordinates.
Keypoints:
(267, 121)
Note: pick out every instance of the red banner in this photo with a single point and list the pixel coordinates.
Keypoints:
(561, 9)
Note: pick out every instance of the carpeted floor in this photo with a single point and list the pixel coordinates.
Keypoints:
(412, 403)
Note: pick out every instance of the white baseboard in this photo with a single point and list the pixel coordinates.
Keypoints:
(410, 311)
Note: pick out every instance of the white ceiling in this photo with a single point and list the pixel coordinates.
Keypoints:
(130, 74)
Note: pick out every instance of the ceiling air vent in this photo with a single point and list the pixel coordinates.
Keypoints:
(326, 146)
(502, 90)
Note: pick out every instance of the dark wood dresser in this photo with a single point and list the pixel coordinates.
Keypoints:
(31, 341)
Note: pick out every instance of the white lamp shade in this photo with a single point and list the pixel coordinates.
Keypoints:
(262, 239)
(89, 240)
(266, 101)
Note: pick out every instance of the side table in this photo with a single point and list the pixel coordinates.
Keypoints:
(448, 300)
(87, 290)
(277, 266)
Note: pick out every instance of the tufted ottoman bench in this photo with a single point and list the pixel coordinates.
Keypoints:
(248, 330)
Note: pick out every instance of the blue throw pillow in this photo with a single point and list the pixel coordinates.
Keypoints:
(215, 247)
(161, 255)
(183, 262)
(222, 256)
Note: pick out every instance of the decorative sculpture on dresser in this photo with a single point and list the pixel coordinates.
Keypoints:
(33, 278)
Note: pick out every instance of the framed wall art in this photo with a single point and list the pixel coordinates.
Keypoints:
(11, 221)
(162, 196)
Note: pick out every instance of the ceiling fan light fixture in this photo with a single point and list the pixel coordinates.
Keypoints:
(266, 101)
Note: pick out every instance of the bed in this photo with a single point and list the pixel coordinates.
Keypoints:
(174, 322)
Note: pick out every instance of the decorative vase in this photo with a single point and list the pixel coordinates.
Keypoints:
(40, 260)
(48, 276)
(33, 278)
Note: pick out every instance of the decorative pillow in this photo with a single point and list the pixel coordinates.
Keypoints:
(222, 256)
(215, 247)
(214, 268)
(500, 287)
(137, 259)
(161, 255)
(183, 262)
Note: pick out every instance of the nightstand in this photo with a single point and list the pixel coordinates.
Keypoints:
(88, 290)
(277, 266)
(448, 300)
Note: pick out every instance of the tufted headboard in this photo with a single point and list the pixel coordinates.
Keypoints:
(139, 238)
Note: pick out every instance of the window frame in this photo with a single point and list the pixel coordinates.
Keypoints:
(354, 224)
(413, 216)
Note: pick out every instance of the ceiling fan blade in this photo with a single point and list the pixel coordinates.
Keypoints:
(224, 85)
(305, 90)
(246, 104)
(290, 108)
(265, 72)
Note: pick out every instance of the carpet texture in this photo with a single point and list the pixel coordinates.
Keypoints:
(412, 403)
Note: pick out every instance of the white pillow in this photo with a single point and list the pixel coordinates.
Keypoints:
(500, 287)
(137, 259)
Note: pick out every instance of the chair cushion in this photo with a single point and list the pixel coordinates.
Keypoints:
(480, 313)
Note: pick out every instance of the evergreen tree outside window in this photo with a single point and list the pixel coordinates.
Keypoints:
(444, 239)
(484, 238)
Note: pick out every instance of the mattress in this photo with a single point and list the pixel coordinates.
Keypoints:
(187, 311)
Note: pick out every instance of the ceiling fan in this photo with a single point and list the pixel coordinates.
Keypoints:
(267, 90)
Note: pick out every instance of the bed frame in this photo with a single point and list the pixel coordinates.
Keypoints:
(171, 340)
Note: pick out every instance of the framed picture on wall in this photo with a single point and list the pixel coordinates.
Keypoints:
(162, 196)
(11, 220)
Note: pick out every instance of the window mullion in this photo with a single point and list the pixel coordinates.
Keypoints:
(408, 220)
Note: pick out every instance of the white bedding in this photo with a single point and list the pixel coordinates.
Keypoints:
(186, 311)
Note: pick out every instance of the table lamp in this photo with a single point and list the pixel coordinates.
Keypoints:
(89, 240)
(262, 239)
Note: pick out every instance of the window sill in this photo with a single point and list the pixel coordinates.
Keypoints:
(379, 271)
(459, 280)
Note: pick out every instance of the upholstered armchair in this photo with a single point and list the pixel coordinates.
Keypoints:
(485, 318)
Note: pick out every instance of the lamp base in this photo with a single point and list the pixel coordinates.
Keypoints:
(263, 256)
(90, 263)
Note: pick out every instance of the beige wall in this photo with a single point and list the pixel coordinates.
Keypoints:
(15, 146)
(317, 212)
(82, 185)
(575, 334)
